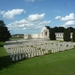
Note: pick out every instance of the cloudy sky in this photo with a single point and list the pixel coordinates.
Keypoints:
(30, 16)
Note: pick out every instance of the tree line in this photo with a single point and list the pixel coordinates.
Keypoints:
(67, 32)
(4, 32)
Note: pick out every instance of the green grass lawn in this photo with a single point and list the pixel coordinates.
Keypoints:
(61, 63)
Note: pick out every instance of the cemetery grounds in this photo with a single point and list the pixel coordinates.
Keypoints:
(36, 57)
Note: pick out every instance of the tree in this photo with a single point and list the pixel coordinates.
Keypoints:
(52, 34)
(4, 33)
(59, 29)
(56, 29)
(48, 27)
(73, 35)
(66, 36)
(71, 29)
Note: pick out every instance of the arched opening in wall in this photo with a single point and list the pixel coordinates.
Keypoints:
(45, 33)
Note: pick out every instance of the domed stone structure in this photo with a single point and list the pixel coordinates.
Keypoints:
(45, 32)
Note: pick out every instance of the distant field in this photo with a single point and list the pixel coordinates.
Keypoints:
(16, 38)
(61, 63)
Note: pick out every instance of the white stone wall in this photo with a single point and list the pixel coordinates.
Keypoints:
(25, 36)
(59, 36)
(35, 36)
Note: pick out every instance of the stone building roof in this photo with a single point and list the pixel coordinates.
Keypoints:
(44, 29)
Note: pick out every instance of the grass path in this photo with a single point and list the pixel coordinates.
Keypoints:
(61, 63)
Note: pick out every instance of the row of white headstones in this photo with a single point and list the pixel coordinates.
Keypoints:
(36, 48)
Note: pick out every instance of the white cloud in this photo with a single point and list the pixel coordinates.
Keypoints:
(11, 13)
(70, 20)
(43, 22)
(36, 17)
(29, 23)
(29, 0)
(71, 16)
(69, 23)
(58, 17)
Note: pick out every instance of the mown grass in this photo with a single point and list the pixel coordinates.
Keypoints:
(61, 63)
(2, 50)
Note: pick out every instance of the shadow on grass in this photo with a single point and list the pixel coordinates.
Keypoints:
(5, 62)
(1, 45)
